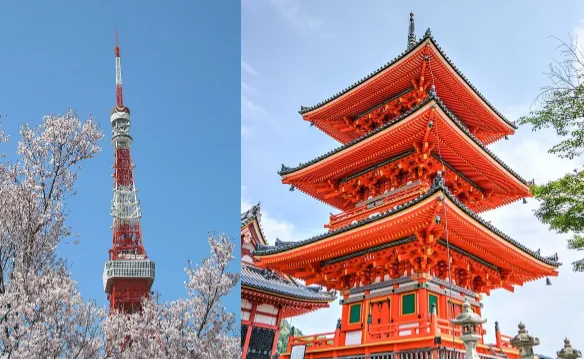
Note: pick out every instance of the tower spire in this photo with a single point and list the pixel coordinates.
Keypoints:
(119, 95)
(411, 33)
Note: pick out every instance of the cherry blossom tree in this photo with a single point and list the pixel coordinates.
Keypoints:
(194, 327)
(41, 312)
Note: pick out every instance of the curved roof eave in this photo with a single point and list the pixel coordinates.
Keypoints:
(254, 279)
(438, 185)
(427, 36)
(431, 97)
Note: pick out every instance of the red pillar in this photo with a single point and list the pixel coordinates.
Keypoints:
(248, 334)
(277, 332)
(423, 311)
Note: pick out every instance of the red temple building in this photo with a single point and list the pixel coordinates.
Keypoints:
(408, 248)
(268, 296)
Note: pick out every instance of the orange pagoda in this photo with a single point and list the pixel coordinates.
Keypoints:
(408, 251)
(268, 296)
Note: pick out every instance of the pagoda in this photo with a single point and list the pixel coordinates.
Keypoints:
(268, 296)
(408, 248)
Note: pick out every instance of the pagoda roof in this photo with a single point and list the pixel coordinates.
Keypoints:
(431, 97)
(476, 107)
(437, 186)
(305, 174)
(281, 285)
(248, 216)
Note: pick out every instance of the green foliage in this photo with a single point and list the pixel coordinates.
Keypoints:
(283, 336)
(562, 109)
(563, 102)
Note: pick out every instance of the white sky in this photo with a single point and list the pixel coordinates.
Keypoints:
(299, 53)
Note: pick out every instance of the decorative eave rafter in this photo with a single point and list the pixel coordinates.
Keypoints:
(396, 76)
(488, 242)
(449, 137)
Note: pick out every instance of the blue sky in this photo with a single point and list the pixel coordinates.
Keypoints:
(181, 70)
(301, 52)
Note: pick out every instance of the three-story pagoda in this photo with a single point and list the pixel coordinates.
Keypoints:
(408, 247)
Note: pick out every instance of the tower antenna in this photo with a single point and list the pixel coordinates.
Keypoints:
(119, 94)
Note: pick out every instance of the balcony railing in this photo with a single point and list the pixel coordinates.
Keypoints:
(432, 326)
(313, 341)
(374, 204)
(131, 269)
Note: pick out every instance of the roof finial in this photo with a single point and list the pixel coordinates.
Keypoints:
(411, 33)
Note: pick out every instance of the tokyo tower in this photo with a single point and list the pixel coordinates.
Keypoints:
(128, 274)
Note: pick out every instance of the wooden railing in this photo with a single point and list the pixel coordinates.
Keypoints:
(445, 328)
(425, 327)
(313, 341)
(505, 341)
(394, 196)
(418, 328)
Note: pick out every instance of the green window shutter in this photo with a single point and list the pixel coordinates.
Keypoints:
(355, 313)
(409, 304)
(432, 300)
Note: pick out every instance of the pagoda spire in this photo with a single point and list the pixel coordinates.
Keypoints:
(411, 33)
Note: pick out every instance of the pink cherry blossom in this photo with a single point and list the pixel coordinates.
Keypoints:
(194, 327)
(42, 314)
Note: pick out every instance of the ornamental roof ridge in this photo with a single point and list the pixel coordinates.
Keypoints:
(427, 36)
(431, 96)
(255, 278)
(437, 185)
(255, 212)
(250, 214)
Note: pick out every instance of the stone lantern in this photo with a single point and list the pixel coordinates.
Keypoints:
(469, 321)
(568, 352)
(525, 343)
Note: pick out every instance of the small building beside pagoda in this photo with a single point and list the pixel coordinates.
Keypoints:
(268, 296)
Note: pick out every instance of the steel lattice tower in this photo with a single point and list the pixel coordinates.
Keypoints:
(128, 274)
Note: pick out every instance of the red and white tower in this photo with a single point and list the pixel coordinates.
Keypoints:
(128, 274)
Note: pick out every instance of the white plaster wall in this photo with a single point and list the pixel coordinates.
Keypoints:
(245, 315)
(245, 304)
(247, 246)
(264, 319)
(354, 337)
(268, 308)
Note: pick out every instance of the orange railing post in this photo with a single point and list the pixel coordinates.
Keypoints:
(337, 338)
(433, 321)
(290, 340)
(497, 335)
